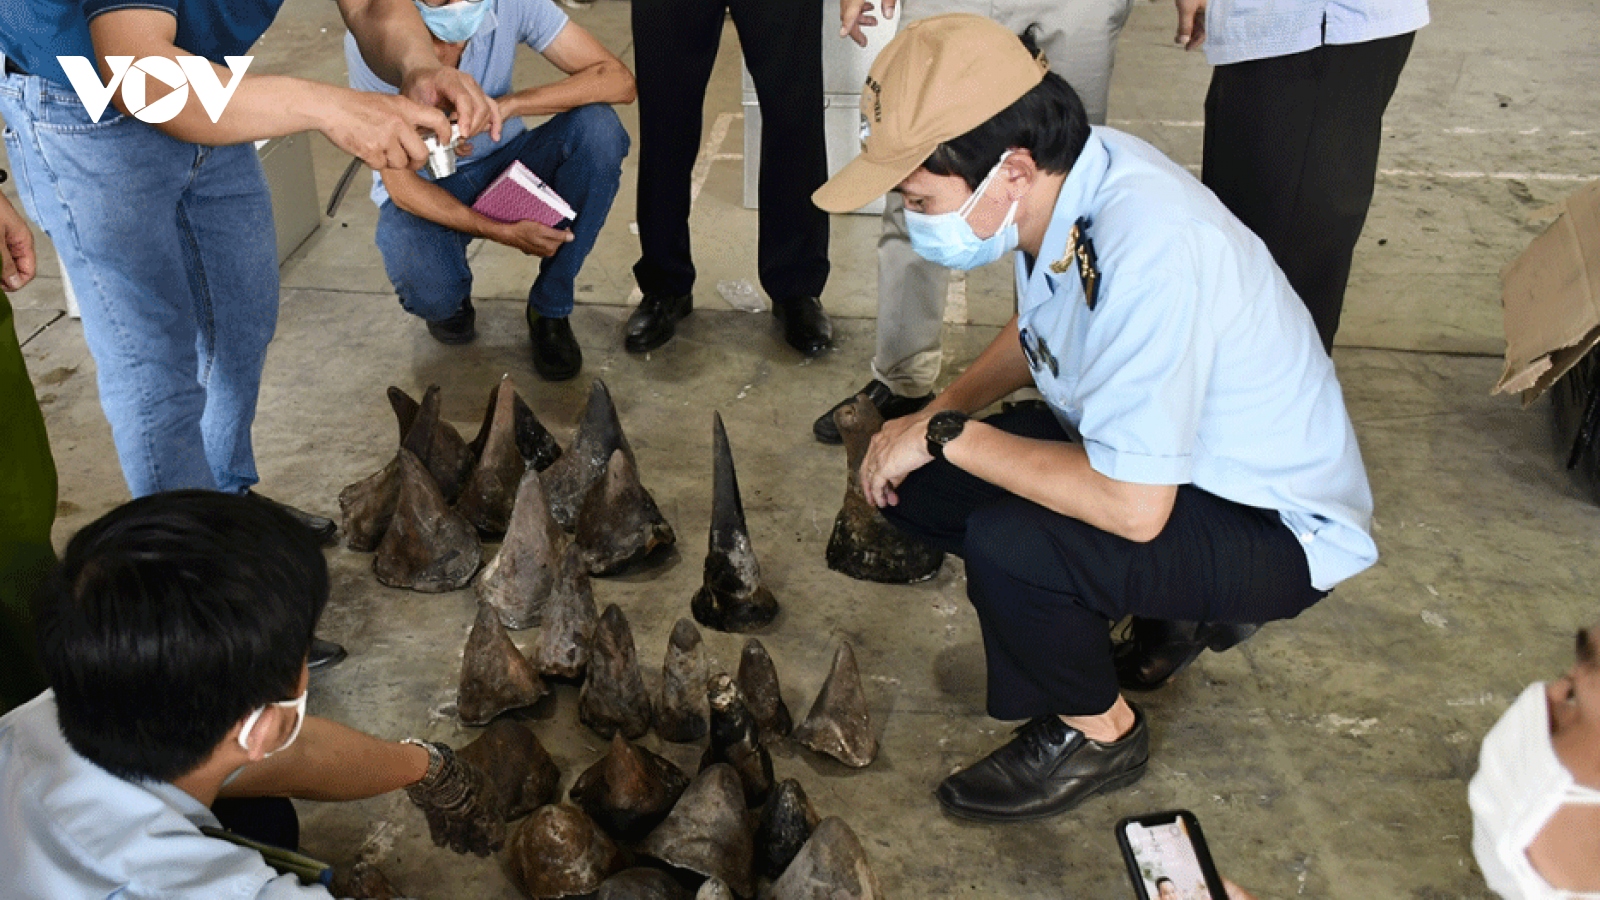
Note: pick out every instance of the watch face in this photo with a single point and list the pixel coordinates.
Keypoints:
(945, 427)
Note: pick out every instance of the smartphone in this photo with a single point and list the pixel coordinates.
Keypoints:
(1167, 857)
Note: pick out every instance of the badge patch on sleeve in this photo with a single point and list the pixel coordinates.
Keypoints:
(1080, 250)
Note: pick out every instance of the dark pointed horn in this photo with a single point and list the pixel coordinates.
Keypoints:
(619, 524)
(831, 864)
(613, 698)
(565, 640)
(838, 723)
(439, 446)
(735, 740)
(629, 790)
(518, 581)
(599, 434)
(732, 596)
(486, 500)
(708, 831)
(516, 763)
(428, 546)
(786, 824)
(495, 676)
(560, 852)
(863, 544)
(758, 679)
(681, 715)
(367, 507)
(405, 410)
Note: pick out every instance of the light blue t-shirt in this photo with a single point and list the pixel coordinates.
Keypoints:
(489, 57)
(1198, 364)
(1241, 30)
(69, 828)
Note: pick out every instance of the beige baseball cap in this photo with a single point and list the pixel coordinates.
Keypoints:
(938, 79)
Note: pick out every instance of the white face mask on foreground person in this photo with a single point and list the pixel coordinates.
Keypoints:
(1520, 786)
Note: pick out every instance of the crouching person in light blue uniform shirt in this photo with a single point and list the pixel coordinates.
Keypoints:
(174, 633)
(1192, 464)
(424, 225)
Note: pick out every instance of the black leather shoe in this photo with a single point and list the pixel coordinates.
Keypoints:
(324, 529)
(1156, 649)
(460, 328)
(1047, 769)
(805, 325)
(324, 654)
(556, 355)
(890, 405)
(655, 321)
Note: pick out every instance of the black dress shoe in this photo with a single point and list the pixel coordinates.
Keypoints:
(805, 325)
(655, 321)
(460, 328)
(323, 529)
(324, 654)
(556, 355)
(1156, 650)
(1047, 769)
(890, 405)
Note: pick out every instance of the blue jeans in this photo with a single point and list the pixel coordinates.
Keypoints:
(578, 153)
(171, 251)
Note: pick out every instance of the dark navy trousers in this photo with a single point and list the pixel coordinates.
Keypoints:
(1047, 587)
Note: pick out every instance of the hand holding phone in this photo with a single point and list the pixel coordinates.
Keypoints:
(1168, 859)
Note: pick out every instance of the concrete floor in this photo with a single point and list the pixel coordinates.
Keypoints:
(1328, 757)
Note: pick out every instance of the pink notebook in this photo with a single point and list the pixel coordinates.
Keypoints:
(518, 195)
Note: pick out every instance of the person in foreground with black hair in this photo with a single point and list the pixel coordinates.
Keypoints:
(1192, 460)
(174, 633)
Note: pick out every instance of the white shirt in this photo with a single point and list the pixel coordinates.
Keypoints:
(1241, 30)
(69, 829)
(1198, 364)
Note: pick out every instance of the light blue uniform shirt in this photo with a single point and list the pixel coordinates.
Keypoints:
(1241, 30)
(489, 57)
(69, 828)
(1198, 364)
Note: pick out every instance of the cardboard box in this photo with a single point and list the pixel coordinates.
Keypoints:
(1551, 296)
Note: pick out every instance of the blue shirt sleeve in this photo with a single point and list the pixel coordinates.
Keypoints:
(1143, 383)
(362, 78)
(541, 22)
(92, 8)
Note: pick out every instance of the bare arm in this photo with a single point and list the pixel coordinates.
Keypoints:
(397, 46)
(1054, 474)
(382, 130)
(332, 762)
(426, 200)
(594, 75)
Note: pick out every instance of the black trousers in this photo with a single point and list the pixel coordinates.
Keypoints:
(1047, 587)
(675, 45)
(1291, 147)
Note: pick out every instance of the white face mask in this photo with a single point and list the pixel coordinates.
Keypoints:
(298, 704)
(1519, 785)
(948, 238)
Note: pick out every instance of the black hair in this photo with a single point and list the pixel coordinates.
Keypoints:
(1167, 880)
(169, 619)
(1048, 121)
(1586, 648)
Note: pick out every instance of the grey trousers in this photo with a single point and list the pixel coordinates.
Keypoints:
(1079, 37)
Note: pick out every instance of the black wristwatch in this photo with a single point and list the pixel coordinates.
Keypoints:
(943, 428)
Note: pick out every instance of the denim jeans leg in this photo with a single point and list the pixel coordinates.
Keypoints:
(107, 193)
(426, 263)
(225, 218)
(579, 154)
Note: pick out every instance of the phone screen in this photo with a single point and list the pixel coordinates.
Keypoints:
(1167, 862)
